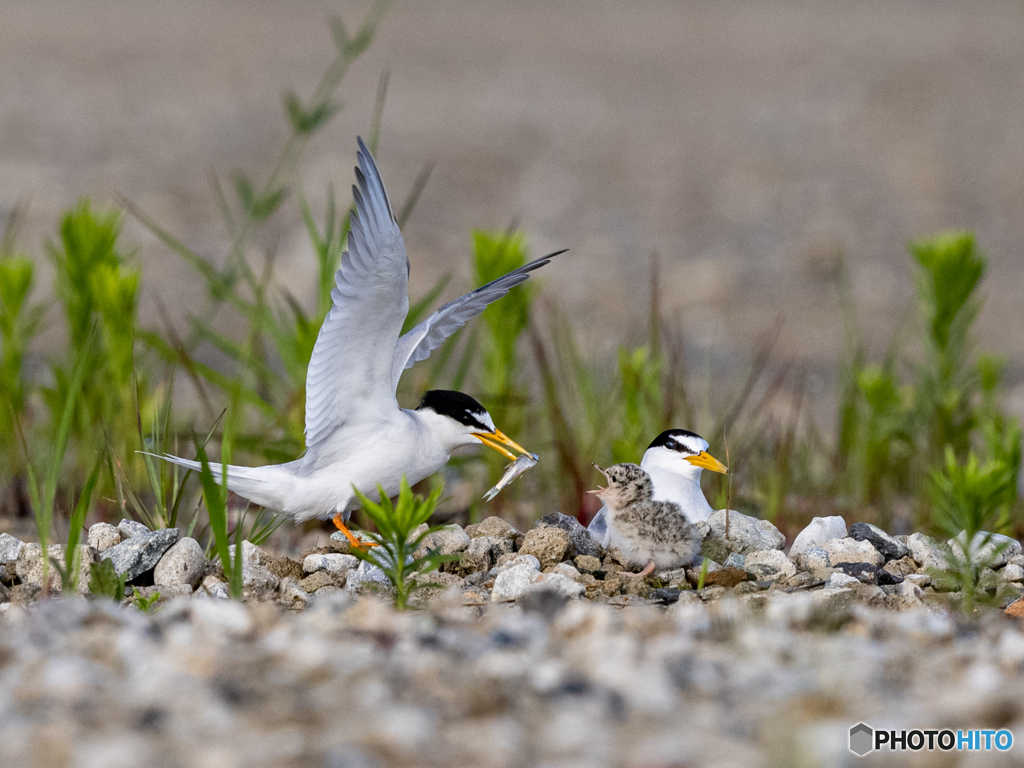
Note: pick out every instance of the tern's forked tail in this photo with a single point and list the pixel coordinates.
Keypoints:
(266, 486)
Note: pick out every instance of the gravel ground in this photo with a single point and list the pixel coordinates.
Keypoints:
(207, 682)
(529, 649)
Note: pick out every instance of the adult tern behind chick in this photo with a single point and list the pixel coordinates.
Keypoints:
(674, 461)
(356, 433)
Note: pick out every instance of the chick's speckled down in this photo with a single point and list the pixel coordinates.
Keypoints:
(646, 530)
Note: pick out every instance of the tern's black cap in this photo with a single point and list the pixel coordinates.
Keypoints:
(456, 405)
(670, 439)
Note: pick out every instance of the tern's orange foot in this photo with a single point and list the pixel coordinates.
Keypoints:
(348, 534)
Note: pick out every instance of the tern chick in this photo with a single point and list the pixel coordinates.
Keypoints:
(674, 460)
(651, 533)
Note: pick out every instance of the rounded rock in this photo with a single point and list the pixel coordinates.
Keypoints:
(183, 563)
(332, 563)
(852, 551)
(817, 532)
(548, 545)
(103, 536)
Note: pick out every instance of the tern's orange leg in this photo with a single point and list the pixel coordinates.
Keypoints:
(348, 534)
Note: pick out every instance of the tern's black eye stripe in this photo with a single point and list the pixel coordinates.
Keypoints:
(672, 445)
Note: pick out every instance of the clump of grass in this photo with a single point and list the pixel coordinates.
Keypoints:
(969, 500)
(899, 419)
(96, 288)
(43, 494)
(20, 321)
(397, 539)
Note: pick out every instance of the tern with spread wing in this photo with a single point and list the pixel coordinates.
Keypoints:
(356, 433)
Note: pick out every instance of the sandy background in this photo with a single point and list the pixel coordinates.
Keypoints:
(747, 143)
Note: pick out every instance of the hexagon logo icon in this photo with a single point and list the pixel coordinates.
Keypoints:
(862, 739)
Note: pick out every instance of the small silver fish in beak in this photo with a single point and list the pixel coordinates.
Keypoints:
(512, 471)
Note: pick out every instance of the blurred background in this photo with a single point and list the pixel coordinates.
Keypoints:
(757, 152)
(748, 144)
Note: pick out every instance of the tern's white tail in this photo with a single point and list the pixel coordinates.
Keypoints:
(266, 486)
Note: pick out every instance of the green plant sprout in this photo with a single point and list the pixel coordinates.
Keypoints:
(142, 602)
(104, 581)
(397, 540)
(216, 497)
(969, 500)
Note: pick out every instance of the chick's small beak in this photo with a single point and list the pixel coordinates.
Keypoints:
(498, 440)
(705, 460)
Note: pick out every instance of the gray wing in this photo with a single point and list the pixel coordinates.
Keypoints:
(350, 369)
(419, 342)
(598, 527)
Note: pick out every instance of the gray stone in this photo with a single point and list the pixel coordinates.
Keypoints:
(587, 563)
(141, 552)
(921, 579)
(926, 552)
(10, 548)
(332, 563)
(851, 551)
(29, 565)
(513, 582)
(580, 540)
(129, 528)
(183, 563)
(1012, 572)
(770, 564)
(368, 578)
(839, 579)
(912, 595)
(291, 593)
(902, 567)
(559, 583)
(991, 549)
(512, 560)
(215, 588)
(746, 534)
(493, 527)
(549, 545)
(816, 562)
(868, 573)
(735, 560)
(483, 552)
(256, 573)
(449, 541)
(103, 536)
(817, 532)
(888, 546)
(317, 580)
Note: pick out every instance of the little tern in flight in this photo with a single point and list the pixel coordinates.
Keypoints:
(674, 461)
(356, 433)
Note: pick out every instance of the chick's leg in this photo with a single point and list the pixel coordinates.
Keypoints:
(647, 571)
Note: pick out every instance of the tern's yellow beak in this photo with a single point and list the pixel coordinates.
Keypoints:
(705, 460)
(498, 440)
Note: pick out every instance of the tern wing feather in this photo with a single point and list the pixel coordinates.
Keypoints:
(420, 341)
(350, 369)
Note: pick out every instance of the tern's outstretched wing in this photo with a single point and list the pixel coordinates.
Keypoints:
(419, 342)
(350, 370)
